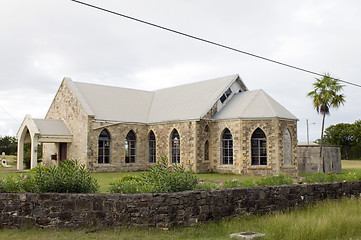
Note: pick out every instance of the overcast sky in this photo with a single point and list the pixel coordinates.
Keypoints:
(43, 41)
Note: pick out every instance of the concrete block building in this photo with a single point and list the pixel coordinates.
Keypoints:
(214, 125)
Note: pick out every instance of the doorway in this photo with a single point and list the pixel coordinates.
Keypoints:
(63, 149)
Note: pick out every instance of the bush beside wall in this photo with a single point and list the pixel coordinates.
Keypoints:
(160, 210)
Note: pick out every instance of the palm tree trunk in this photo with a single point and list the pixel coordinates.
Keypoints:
(321, 155)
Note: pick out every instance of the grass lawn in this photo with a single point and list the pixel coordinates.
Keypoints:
(339, 219)
(10, 160)
(354, 164)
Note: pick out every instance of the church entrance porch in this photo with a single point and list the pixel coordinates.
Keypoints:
(42, 131)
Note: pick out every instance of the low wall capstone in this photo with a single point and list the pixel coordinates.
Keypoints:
(160, 210)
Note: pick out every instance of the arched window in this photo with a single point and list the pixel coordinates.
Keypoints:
(287, 149)
(175, 147)
(104, 147)
(152, 147)
(130, 147)
(259, 147)
(206, 150)
(206, 129)
(227, 147)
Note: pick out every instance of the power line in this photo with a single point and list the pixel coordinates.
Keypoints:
(9, 114)
(211, 42)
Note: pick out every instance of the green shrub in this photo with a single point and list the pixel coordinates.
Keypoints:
(9, 184)
(69, 177)
(127, 184)
(164, 178)
(249, 183)
(21, 183)
(280, 179)
(160, 178)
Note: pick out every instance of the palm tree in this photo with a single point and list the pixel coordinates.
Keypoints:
(325, 96)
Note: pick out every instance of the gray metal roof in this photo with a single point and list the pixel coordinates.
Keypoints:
(115, 103)
(185, 102)
(253, 105)
(52, 127)
(190, 101)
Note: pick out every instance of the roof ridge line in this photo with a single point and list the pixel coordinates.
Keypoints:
(249, 103)
(150, 106)
(236, 76)
(268, 102)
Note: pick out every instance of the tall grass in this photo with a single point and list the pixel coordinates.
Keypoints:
(331, 220)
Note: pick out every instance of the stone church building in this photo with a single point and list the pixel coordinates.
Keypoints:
(214, 125)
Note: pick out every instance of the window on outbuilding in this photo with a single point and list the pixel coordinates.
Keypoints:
(175, 147)
(130, 147)
(227, 147)
(152, 147)
(259, 147)
(104, 147)
(206, 150)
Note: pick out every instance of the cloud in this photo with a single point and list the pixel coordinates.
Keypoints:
(44, 41)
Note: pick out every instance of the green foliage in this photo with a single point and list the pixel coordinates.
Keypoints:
(160, 178)
(69, 177)
(325, 94)
(127, 184)
(331, 177)
(27, 154)
(173, 178)
(346, 135)
(280, 179)
(226, 184)
(8, 145)
(21, 183)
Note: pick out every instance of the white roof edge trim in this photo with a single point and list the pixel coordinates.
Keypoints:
(255, 118)
(79, 96)
(112, 123)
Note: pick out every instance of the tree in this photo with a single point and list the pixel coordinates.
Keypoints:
(8, 145)
(341, 134)
(325, 95)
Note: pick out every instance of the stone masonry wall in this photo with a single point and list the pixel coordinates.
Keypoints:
(161, 210)
(66, 106)
(242, 131)
(162, 134)
(193, 136)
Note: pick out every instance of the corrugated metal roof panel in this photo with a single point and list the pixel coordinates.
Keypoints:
(190, 101)
(253, 104)
(115, 103)
(52, 127)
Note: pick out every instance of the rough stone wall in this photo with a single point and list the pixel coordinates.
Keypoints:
(66, 106)
(309, 160)
(242, 131)
(203, 134)
(271, 130)
(162, 132)
(291, 127)
(218, 129)
(55, 210)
